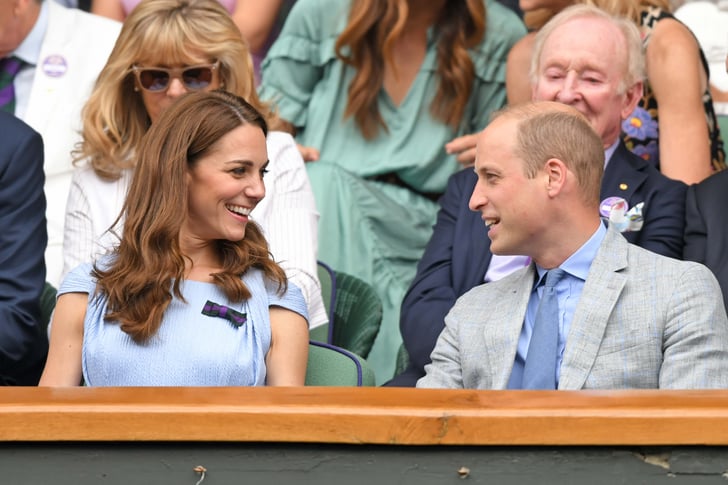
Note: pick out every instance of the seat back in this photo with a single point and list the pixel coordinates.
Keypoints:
(402, 360)
(355, 312)
(327, 277)
(357, 315)
(329, 365)
(47, 304)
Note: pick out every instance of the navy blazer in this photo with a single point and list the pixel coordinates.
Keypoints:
(458, 253)
(23, 239)
(706, 227)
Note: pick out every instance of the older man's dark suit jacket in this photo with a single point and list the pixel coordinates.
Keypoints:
(706, 227)
(23, 238)
(458, 254)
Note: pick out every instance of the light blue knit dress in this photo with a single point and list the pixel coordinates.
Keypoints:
(190, 348)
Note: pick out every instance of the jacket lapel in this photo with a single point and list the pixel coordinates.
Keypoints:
(623, 175)
(45, 97)
(602, 289)
(508, 313)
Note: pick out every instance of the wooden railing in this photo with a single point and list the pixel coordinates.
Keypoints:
(365, 415)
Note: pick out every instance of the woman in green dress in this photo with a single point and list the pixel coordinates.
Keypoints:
(385, 97)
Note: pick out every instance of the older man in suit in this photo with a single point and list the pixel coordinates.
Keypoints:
(600, 74)
(23, 342)
(616, 316)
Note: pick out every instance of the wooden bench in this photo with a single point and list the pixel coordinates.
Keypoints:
(230, 427)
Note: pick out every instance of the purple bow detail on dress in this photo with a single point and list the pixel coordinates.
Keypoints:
(212, 309)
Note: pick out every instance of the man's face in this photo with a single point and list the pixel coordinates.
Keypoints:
(13, 22)
(510, 204)
(582, 65)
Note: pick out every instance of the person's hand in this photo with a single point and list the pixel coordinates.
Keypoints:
(309, 154)
(464, 149)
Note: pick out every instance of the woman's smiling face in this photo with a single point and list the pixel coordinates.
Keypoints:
(225, 185)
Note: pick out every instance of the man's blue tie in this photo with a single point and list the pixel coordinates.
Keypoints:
(539, 371)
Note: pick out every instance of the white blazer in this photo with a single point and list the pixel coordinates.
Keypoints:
(75, 48)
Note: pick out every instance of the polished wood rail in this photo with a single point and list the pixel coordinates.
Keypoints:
(365, 415)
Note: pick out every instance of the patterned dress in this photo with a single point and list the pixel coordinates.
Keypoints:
(640, 130)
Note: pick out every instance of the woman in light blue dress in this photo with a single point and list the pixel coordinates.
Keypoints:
(190, 297)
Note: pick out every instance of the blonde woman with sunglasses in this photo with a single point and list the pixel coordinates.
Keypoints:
(167, 48)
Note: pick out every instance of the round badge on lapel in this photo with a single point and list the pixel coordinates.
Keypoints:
(55, 65)
(612, 204)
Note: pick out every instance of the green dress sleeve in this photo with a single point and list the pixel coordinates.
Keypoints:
(295, 63)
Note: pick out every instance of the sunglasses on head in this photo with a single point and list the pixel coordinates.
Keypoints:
(157, 79)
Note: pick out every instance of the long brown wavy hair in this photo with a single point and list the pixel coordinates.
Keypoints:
(367, 42)
(114, 117)
(148, 266)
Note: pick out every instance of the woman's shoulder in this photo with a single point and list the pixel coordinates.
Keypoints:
(283, 153)
(522, 49)
(502, 24)
(279, 139)
(79, 280)
(671, 39)
(320, 18)
(85, 175)
(325, 7)
(503, 30)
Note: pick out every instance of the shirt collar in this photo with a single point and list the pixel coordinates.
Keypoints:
(610, 151)
(578, 264)
(29, 49)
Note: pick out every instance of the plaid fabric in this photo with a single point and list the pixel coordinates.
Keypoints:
(9, 67)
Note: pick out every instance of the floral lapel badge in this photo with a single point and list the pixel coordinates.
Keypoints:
(617, 212)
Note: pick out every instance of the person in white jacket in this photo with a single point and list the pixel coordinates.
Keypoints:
(165, 49)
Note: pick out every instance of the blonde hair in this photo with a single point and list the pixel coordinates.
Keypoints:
(634, 68)
(115, 119)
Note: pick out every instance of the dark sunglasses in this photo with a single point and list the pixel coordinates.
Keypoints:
(156, 79)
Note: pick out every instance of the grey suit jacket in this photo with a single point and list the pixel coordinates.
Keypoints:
(643, 321)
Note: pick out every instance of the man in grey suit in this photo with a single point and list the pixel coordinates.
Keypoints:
(627, 317)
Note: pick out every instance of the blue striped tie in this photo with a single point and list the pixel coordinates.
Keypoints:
(9, 68)
(539, 371)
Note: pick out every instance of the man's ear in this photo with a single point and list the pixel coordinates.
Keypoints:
(631, 97)
(555, 171)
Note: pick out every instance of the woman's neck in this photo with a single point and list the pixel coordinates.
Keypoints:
(201, 259)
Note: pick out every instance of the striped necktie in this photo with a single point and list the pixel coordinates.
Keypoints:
(9, 68)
